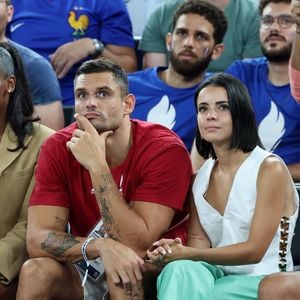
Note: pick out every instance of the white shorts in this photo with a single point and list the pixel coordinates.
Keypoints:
(93, 289)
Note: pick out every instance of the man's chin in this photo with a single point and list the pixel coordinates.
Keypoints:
(278, 55)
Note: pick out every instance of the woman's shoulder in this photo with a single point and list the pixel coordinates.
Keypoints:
(273, 168)
(41, 132)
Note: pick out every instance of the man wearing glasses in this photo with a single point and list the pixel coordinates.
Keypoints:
(267, 79)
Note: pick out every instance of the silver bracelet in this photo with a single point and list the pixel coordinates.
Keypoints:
(83, 251)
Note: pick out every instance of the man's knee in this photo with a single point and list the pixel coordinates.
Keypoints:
(280, 286)
(41, 268)
(46, 278)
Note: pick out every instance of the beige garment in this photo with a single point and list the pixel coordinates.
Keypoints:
(16, 183)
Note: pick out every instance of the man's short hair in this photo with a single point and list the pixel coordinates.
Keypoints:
(102, 65)
(264, 3)
(210, 12)
(244, 129)
(8, 2)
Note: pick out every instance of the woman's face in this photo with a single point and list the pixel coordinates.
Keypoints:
(214, 117)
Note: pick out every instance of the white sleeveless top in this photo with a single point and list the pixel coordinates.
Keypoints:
(234, 226)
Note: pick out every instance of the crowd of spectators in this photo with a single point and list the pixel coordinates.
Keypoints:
(161, 89)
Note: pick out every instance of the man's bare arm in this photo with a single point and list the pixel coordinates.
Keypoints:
(125, 222)
(154, 59)
(295, 57)
(134, 225)
(51, 114)
(47, 236)
(71, 53)
(123, 56)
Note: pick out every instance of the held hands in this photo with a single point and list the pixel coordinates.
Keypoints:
(123, 265)
(166, 251)
(87, 145)
(69, 54)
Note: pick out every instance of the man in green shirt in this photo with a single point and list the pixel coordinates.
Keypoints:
(241, 39)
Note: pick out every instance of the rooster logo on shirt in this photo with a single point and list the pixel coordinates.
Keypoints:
(79, 24)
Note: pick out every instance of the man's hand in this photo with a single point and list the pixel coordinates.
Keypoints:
(87, 145)
(69, 54)
(123, 265)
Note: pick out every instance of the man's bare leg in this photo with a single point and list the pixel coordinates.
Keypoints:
(116, 292)
(47, 279)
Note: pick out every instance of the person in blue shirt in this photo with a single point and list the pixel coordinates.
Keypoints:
(165, 95)
(267, 79)
(72, 31)
(43, 84)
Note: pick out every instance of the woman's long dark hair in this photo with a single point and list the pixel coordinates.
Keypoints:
(20, 109)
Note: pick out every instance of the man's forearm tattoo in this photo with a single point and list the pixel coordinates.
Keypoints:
(103, 201)
(57, 244)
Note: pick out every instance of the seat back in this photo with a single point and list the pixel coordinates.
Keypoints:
(139, 53)
(68, 114)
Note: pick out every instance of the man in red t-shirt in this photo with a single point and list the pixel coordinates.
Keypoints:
(132, 176)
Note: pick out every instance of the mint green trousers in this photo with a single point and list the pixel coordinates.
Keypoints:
(190, 280)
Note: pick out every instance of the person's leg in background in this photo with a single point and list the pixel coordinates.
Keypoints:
(279, 286)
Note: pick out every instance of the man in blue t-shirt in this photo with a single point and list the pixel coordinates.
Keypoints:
(71, 31)
(165, 95)
(267, 79)
(43, 84)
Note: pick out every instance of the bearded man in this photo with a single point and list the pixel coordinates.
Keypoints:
(165, 95)
(267, 79)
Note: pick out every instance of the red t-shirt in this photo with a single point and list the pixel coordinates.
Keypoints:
(157, 169)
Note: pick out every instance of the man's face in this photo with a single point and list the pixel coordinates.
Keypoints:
(98, 98)
(277, 39)
(191, 45)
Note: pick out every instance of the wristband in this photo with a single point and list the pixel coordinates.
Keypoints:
(83, 251)
(99, 47)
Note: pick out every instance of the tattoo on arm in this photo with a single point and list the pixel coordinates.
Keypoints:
(107, 179)
(103, 201)
(111, 227)
(57, 244)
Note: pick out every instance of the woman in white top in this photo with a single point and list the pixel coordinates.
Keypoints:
(243, 206)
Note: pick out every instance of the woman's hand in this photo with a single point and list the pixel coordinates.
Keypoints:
(166, 251)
